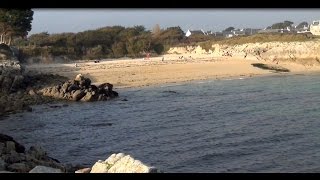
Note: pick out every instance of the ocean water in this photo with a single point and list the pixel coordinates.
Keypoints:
(258, 124)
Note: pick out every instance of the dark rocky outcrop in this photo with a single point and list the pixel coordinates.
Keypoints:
(80, 89)
(17, 87)
(18, 147)
(14, 157)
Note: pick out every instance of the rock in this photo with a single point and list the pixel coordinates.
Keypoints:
(86, 82)
(10, 146)
(114, 158)
(78, 94)
(102, 97)
(17, 83)
(90, 96)
(100, 167)
(79, 77)
(65, 87)
(18, 167)
(37, 152)
(73, 87)
(2, 165)
(80, 89)
(1, 79)
(14, 157)
(32, 92)
(44, 169)
(121, 163)
(2, 145)
(127, 164)
(84, 170)
(6, 84)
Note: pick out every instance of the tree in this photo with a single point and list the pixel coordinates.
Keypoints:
(156, 30)
(302, 24)
(282, 25)
(14, 23)
(229, 29)
(119, 49)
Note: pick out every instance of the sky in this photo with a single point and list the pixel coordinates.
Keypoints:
(77, 20)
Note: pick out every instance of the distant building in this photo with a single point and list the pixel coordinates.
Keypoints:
(238, 32)
(227, 34)
(304, 29)
(189, 33)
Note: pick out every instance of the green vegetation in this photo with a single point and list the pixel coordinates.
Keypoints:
(106, 42)
(115, 41)
(14, 23)
(281, 25)
(302, 24)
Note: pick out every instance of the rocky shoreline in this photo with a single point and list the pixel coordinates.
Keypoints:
(19, 89)
(14, 158)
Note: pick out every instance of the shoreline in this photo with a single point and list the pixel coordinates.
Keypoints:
(135, 73)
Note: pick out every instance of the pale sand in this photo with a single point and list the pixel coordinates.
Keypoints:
(139, 72)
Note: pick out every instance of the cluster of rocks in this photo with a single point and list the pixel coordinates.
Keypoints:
(15, 158)
(80, 89)
(20, 89)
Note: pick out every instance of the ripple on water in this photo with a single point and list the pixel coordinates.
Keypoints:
(265, 124)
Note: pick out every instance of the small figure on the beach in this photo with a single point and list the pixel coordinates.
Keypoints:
(75, 65)
(148, 56)
(162, 58)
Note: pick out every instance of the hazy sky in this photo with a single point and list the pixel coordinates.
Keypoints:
(76, 20)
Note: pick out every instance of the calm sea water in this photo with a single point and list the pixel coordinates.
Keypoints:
(261, 124)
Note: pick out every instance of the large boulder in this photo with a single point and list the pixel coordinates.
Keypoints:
(121, 163)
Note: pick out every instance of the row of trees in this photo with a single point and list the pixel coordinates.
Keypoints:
(279, 25)
(14, 23)
(285, 24)
(106, 42)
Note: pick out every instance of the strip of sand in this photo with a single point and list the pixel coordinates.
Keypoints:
(139, 72)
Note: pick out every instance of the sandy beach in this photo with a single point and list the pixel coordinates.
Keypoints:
(123, 73)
